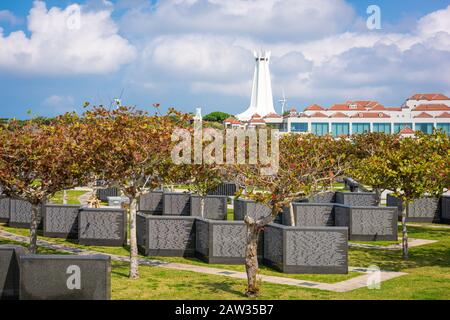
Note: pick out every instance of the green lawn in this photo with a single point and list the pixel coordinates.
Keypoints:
(72, 197)
(428, 275)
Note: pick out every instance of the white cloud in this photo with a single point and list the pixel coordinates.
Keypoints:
(268, 19)
(8, 17)
(63, 42)
(435, 22)
(59, 103)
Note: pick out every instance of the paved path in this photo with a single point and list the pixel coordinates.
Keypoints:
(411, 243)
(343, 286)
(85, 197)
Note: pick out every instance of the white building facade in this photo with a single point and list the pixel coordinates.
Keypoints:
(421, 112)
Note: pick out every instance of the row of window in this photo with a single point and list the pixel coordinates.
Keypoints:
(338, 129)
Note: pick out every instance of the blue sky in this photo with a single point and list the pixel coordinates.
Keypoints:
(190, 53)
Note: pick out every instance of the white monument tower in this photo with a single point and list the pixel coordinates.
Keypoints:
(262, 99)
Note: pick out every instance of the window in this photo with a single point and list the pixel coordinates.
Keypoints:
(444, 126)
(382, 127)
(360, 128)
(338, 129)
(320, 129)
(425, 127)
(299, 127)
(400, 126)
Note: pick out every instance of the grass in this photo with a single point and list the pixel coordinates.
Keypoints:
(428, 275)
(230, 214)
(72, 197)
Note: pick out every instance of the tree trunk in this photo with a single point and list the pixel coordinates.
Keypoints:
(202, 206)
(33, 227)
(251, 259)
(291, 213)
(64, 197)
(405, 231)
(377, 196)
(134, 260)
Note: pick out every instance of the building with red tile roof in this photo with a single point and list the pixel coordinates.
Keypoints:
(421, 112)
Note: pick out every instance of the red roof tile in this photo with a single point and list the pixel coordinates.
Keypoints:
(366, 104)
(273, 115)
(318, 115)
(256, 116)
(314, 107)
(346, 107)
(444, 115)
(429, 96)
(432, 107)
(393, 108)
(423, 115)
(232, 121)
(370, 115)
(406, 131)
(256, 120)
(339, 115)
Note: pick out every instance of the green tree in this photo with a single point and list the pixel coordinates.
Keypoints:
(369, 164)
(216, 116)
(37, 160)
(128, 146)
(307, 164)
(417, 168)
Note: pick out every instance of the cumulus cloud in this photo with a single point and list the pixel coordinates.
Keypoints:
(321, 51)
(435, 22)
(269, 19)
(8, 17)
(59, 103)
(70, 40)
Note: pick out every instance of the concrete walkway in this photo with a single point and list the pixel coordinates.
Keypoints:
(85, 197)
(343, 286)
(411, 243)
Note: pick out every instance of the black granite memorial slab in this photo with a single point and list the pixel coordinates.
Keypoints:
(61, 221)
(10, 271)
(152, 202)
(215, 207)
(4, 209)
(176, 204)
(357, 199)
(445, 209)
(166, 236)
(425, 209)
(368, 223)
(102, 227)
(20, 212)
(223, 241)
(310, 214)
(65, 277)
(321, 250)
